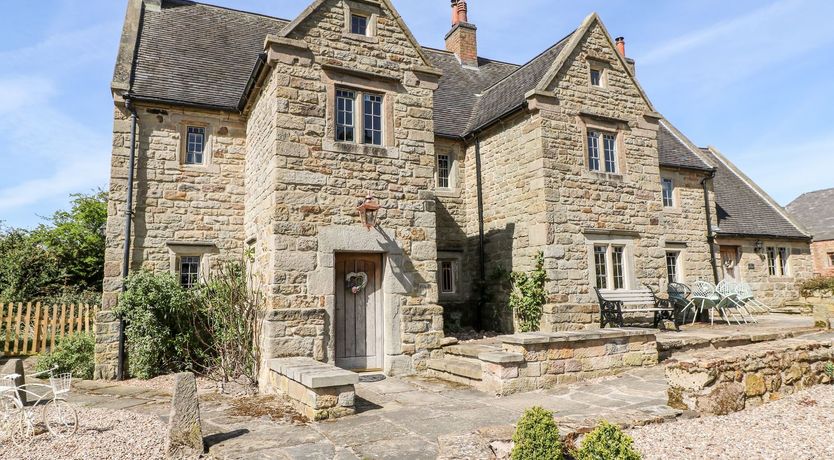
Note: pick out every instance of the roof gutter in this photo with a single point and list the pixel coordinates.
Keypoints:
(254, 78)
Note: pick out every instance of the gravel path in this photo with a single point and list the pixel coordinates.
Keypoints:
(102, 434)
(798, 427)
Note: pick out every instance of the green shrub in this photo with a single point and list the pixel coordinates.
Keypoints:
(528, 296)
(829, 371)
(607, 442)
(537, 437)
(74, 353)
(159, 331)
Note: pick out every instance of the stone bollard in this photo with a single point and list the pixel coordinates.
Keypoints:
(823, 316)
(14, 366)
(185, 435)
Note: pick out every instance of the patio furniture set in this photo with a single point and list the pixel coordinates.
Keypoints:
(732, 300)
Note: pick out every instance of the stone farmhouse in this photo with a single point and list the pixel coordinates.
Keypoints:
(263, 135)
(815, 210)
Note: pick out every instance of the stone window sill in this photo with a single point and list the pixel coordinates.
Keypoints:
(361, 149)
(447, 193)
(614, 177)
(361, 38)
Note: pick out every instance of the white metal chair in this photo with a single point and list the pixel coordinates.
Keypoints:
(729, 290)
(746, 296)
(679, 298)
(705, 296)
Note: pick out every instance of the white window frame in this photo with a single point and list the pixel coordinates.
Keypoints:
(353, 17)
(597, 141)
(626, 264)
(197, 276)
(603, 77)
(778, 261)
(678, 278)
(359, 116)
(672, 203)
(184, 143)
(450, 171)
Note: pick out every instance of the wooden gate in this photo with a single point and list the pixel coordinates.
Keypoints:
(359, 322)
(31, 328)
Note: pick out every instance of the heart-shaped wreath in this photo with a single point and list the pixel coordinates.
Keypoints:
(356, 281)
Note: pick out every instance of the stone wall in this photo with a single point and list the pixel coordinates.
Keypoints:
(822, 251)
(319, 182)
(723, 381)
(583, 205)
(177, 207)
(752, 268)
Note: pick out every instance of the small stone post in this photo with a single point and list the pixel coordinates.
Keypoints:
(823, 316)
(185, 435)
(14, 366)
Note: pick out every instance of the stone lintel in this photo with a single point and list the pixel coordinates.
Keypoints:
(590, 114)
(359, 73)
(532, 338)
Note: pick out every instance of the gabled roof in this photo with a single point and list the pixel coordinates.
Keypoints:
(815, 210)
(676, 151)
(192, 53)
(508, 93)
(743, 208)
(456, 95)
(385, 3)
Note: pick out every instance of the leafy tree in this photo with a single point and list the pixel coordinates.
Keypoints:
(76, 239)
(27, 269)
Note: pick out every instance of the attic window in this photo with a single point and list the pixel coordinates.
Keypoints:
(597, 77)
(359, 24)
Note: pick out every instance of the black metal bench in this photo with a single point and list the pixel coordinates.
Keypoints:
(612, 305)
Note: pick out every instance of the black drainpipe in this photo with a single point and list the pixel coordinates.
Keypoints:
(481, 254)
(710, 235)
(120, 370)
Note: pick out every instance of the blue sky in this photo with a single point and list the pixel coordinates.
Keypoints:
(751, 77)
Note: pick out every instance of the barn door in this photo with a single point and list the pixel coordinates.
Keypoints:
(359, 311)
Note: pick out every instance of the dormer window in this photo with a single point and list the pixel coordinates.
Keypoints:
(359, 24)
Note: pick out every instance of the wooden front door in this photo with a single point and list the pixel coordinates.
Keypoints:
(359, 322)
(729, 262)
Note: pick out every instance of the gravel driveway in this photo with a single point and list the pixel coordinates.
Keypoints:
(102, 434)
(798, 427)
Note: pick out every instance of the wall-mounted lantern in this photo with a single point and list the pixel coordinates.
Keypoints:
(758, 247)
(368, 211)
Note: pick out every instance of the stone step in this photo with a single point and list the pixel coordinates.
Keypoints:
(470, 350)
(456, 367)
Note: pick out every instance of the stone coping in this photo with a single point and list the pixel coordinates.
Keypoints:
(532, 338)
(312, 373)
(711, 358)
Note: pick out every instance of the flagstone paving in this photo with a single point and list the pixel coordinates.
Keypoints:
(400, 418)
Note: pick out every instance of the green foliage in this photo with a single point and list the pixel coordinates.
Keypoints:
(537, 437)
(528, 296)
(829, 371)
(28, 271)
(818, 286)
(607, 442)
(62, 258)
(228, 313)
(159, 325)
(74, 353)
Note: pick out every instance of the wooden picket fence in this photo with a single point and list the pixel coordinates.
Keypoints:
(31, 328)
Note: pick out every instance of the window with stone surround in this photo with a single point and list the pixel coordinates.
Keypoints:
(195, 145)
(444, 170)
(610, 266)
(358, 24)
(602, 151)
(668, 187)
(778, 261)
(367, 117)
(448, 276)
(188, 271)
(673, 268)
(831, 259)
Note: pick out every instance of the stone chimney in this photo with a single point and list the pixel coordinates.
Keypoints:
(462, 39)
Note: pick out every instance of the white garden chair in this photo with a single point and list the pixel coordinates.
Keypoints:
(705, 296)
(679, 297)
(729, 290)
(745, 295)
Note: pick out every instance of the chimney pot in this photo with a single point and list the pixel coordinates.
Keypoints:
(462, 11)
(455, 16)
(620, 42)
(462, 39)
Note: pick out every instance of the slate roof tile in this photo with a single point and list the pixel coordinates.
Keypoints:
(673, 151)
(815, 210)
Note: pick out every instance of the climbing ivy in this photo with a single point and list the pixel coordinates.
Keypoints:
(528, 296)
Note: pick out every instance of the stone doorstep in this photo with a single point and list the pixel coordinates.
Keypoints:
(533, 338)
(457, 367)
(470, 350)
(501, 357)
(311, 373)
